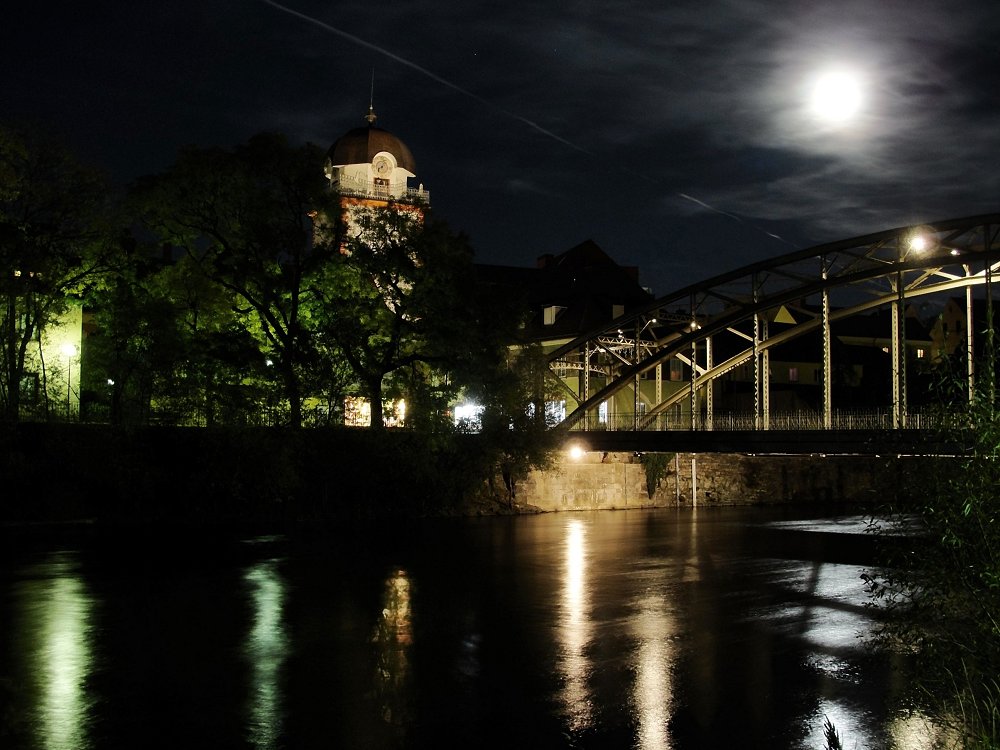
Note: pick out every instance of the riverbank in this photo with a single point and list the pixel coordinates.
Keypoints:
(266, 476)
(269, 476)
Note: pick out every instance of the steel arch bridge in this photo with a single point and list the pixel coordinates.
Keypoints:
(730, 314)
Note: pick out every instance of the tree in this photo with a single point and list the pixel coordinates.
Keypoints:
(397, 304)
(168, 344)
(53, 220)
(939, 581)
(245, 216)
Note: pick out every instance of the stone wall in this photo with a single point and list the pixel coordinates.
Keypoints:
(618, 480)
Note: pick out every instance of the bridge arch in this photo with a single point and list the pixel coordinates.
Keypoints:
(730, 315)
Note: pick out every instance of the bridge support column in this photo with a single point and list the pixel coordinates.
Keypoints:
(761, 369)
(635, 380)
(694, 384)
(709, 406)
(970, 367)
(761, 376)
(694, 367)
(827, 355)
(756, 371)
(898, 308)
(765, 361)
(659, 386)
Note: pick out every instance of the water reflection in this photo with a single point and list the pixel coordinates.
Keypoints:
(392, 638)
(56, 637)
(650, 630)
(575, 629)
(830, 619)
(652, 692)
(266, 649)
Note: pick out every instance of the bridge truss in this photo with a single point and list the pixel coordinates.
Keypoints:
(730, 314)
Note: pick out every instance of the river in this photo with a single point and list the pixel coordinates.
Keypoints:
(689, 628)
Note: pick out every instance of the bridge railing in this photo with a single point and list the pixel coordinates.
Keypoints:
(865, 419)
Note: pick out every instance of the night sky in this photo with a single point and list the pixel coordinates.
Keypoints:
(681, 136)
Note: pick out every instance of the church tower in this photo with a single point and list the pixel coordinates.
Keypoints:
(371, 168)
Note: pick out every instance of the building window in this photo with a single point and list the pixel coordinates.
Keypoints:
(921, 353)
(793, 374)
(550, 314)
(676, 370)
(602, 413)
(555, 412)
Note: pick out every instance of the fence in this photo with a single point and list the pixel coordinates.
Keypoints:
(869, 419)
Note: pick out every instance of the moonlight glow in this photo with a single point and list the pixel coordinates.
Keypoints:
(836, 96)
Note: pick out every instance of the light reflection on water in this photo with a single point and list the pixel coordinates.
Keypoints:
(393, 637)
(574, 629)
(266, 649)
(651, 630)
(652, 692)
(55, 631)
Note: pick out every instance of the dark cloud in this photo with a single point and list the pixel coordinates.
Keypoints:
(539, 125)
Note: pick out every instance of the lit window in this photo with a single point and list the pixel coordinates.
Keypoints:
(920, 353)
(469, 416)
(676, 370)
(555, 412)
(793, 374)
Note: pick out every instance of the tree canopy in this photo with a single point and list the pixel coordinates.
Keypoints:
(235, 288)
(54, 230)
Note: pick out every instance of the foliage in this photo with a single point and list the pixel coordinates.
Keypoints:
(393, 305)
(514, 429)
(657, 466)
(939, 582)
(53, 219)
(245, 216)
(240, 296)
(831, 735)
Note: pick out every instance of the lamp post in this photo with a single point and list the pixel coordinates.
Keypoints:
(69, 350)
(919, 241)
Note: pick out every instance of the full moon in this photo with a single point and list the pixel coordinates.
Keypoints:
(836, 96)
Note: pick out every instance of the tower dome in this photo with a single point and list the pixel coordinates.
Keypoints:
(372, 163)
(361, 145)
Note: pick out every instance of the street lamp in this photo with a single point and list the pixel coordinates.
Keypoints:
(69, 350)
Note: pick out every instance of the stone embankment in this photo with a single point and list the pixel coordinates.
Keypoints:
(605, 481)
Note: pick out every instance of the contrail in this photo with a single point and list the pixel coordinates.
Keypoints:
(465, 92)
(430, 74)
(735, 217)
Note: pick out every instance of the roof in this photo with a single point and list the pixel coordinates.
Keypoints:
(583, 282)
(360, 145)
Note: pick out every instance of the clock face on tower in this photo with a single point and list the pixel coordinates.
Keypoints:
(382, 166)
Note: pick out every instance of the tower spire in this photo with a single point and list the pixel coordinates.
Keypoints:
(371, 117)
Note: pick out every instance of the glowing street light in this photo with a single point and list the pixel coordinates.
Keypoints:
(922, 240)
